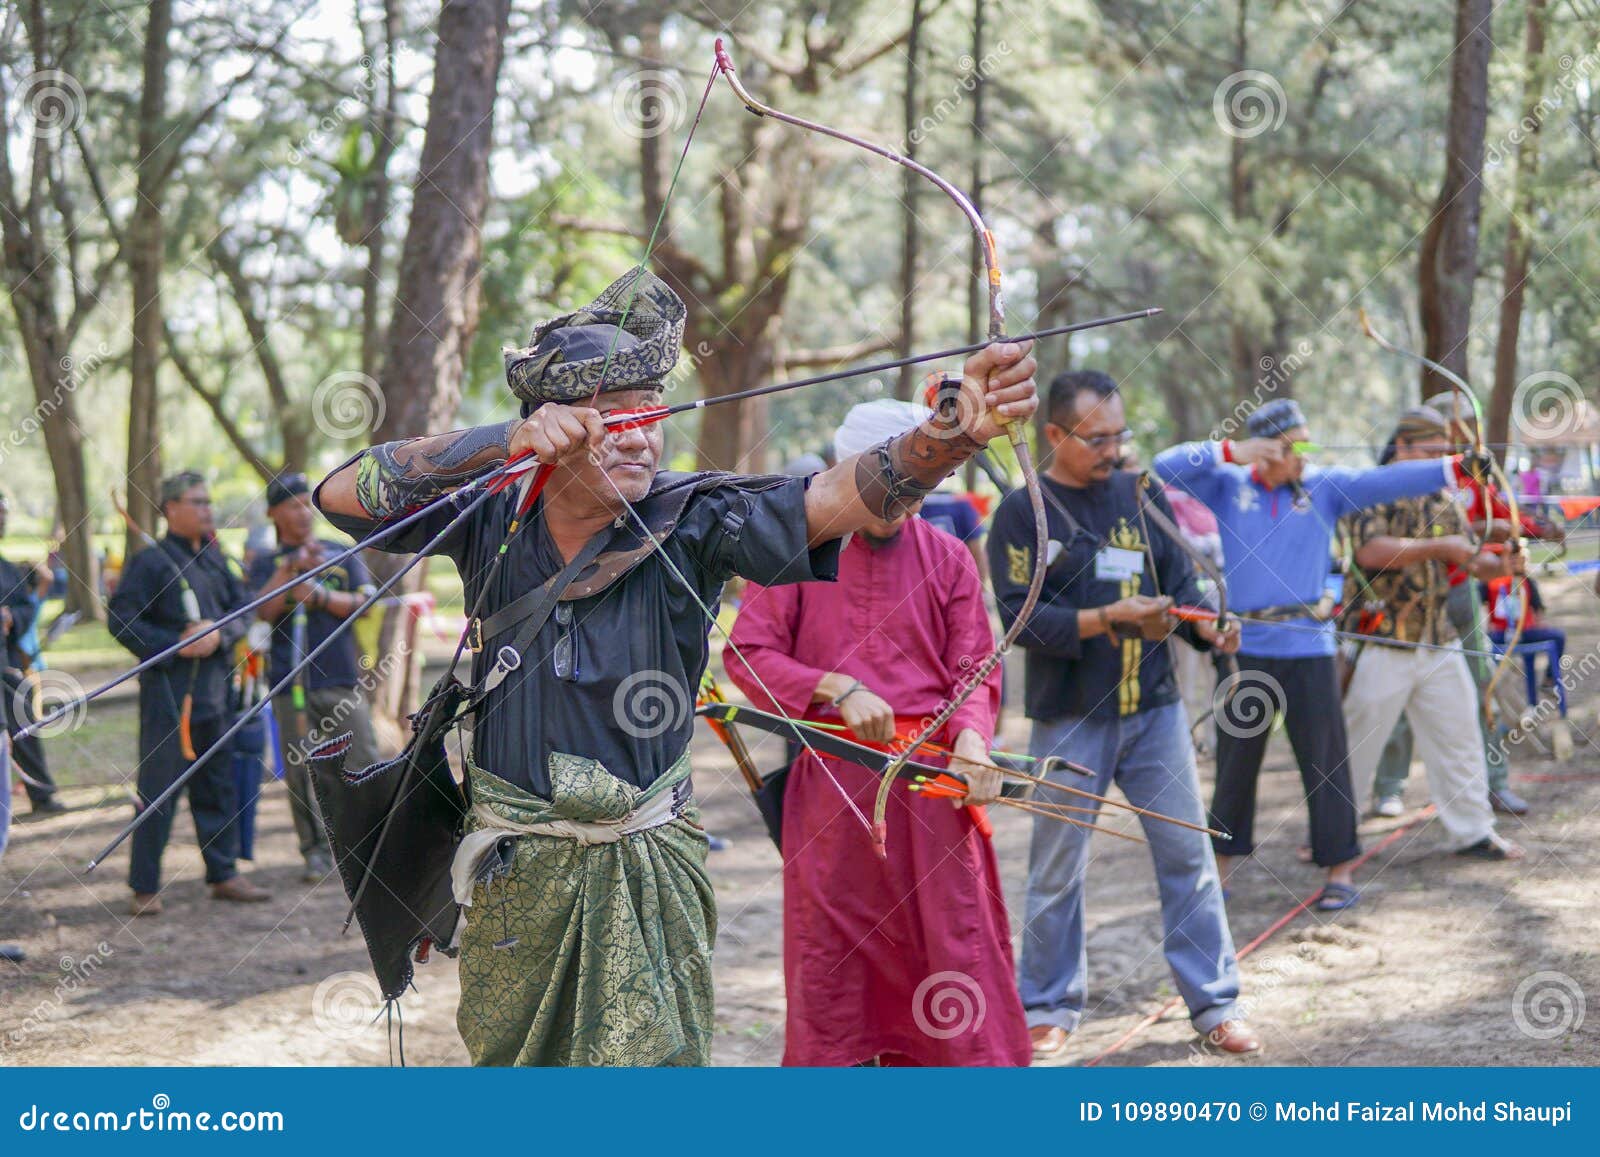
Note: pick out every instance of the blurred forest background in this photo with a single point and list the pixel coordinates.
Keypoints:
(258, 235)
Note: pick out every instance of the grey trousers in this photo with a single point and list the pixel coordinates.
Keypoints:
(330, 711)
(1395, 763)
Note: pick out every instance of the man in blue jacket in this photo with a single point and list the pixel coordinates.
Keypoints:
(1276, 514)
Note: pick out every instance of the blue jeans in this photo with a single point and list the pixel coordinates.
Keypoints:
(1149, 756)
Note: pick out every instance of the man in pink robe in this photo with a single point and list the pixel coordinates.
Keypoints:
(906, 961)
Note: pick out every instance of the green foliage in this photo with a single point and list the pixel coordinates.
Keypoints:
(1112, 182)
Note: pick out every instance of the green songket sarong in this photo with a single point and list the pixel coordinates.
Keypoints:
(611, 963)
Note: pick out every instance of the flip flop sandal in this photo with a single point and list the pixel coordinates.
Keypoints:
(1337, 897)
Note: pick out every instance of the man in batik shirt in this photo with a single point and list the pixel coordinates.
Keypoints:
(1412, 660)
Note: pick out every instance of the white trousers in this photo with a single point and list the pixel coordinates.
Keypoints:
(1436, 692)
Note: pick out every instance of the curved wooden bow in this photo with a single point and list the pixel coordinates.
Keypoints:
(1015, 430)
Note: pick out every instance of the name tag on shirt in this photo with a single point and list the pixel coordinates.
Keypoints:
(1115, 564)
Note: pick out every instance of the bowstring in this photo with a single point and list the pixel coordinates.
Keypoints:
(650, 538)
(795, 725)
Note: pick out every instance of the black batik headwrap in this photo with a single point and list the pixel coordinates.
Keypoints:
(565, 358)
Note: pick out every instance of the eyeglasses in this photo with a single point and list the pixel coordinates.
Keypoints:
(1103, 441)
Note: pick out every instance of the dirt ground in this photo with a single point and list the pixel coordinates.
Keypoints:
(1443, 962)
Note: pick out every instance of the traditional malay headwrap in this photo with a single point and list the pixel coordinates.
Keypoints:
(869, 423)
(564, 359)
(1275, 419)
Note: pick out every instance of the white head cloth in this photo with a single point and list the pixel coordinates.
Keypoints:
(877, 421)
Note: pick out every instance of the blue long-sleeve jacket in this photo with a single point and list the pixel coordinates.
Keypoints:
(1276, 555)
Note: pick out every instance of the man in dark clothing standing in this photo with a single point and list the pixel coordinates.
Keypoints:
(169, 591)
(326, 699)
(1102, 694)
(18, 608)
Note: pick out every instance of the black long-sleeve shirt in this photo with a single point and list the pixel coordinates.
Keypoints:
(613, 677)
(146, 615)
(1067, 675)
(16, 595)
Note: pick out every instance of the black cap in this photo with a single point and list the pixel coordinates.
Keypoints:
(286, 486)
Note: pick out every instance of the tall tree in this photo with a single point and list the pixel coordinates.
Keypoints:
(436, 299)
(144, 246)
(1449, 260)
(1519, 230)
(910, 188)
(41, 271)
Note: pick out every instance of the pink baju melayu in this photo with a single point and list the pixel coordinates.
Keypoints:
(910, 959)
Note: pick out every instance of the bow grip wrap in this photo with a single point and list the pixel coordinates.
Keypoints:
(411, 904)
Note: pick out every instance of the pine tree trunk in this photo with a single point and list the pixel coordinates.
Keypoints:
(144, 246)
(1449, 263)
(436, 299)
(1518, 239)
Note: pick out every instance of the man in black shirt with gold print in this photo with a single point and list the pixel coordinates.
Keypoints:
(1101, 693)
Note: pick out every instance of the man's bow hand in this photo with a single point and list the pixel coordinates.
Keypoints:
(997, 386)
(1223, 636)
(970, 760)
